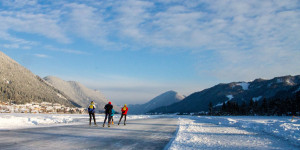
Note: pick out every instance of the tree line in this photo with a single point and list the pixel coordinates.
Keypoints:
(267, 107)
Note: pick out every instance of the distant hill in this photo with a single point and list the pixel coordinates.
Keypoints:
(79, 93)
(164, 99)
(19, 85)
(235, 92)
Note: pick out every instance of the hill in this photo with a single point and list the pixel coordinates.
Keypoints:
(164, 99)
(18, 85)
(79, 93)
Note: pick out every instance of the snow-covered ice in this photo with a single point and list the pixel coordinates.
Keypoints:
(232, 132)
(194, 132)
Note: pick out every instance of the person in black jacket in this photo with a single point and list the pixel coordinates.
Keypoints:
(91, 111)
(108, 107)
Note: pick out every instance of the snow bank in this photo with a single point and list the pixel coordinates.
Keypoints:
(281, 127)
(193, 134)
(18, 121)
(192, 128)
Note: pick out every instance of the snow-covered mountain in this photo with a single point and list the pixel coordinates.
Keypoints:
(19, 85)
(238, 92)
(164, 99)
(79, 93)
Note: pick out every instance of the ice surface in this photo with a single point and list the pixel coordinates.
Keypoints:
(194, 132)
(138, 134)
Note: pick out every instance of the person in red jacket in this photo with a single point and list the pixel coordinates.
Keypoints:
(124, 113)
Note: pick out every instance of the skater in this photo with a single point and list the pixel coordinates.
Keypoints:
(124, 113)
(112, 116)
(91, 111)
(108, 107)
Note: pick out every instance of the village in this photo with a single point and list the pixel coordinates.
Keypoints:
(44, 107)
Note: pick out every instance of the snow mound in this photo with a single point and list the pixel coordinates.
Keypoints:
(214, 132)
(19, 121)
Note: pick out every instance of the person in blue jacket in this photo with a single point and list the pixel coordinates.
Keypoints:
(91, 111)
(112, 116)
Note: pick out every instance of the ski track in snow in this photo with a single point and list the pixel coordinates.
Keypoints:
(235, 133)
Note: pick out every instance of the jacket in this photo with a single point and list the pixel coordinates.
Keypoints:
(112, 112)
(124, 110)
(91, 108)
(108, 108)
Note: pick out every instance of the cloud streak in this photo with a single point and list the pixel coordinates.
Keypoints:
(41, 55)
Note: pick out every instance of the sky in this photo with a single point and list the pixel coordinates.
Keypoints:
(134, 50)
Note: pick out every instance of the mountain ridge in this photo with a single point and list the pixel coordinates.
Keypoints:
(234, 91)
(164, 99)
(79, 93)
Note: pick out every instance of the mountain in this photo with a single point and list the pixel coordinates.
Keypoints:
(236, 92)
(79, 93)
(164, 99)
(19, 85)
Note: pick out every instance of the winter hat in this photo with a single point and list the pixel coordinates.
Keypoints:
(109, 102)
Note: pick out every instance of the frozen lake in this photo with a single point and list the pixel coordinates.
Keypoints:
(54, 131)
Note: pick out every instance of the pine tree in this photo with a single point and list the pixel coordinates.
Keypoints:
(210, 108)
(224, 109)
(265, 107)
(251, 105)
(243, 108)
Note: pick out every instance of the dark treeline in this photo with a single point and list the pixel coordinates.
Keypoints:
(265, 107)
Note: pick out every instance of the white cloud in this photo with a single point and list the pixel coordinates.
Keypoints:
(249, 38)
(32, 20)
(71, 51)
(19, 3)
(41, 55)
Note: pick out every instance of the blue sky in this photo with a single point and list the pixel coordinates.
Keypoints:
(134, 50)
